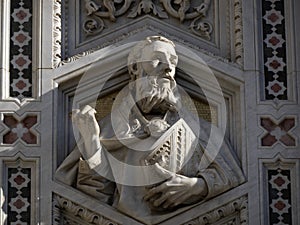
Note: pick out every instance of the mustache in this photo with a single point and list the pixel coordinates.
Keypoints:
(155, 94)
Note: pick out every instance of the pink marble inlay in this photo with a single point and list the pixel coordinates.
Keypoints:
(21, 38)
(276, 88)
(21, 15)
(21, 85)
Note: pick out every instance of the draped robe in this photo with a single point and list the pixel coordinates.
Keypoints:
(106, 179)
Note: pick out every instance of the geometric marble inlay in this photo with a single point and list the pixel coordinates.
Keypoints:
(19, 195)
(274, 50)
(279, 185)
(19, 129)
(20, 67)
(278, 132)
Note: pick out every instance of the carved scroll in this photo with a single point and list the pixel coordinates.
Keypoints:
(96, 12)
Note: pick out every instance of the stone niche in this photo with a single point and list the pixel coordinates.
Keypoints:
(108, 71)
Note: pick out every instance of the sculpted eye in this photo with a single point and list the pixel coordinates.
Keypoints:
(156, 62)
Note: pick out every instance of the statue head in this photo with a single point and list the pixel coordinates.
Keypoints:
(151, 65)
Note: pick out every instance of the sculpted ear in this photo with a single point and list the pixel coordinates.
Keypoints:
(133, 67)
(134, 70)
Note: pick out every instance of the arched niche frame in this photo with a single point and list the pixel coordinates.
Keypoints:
(107, 69)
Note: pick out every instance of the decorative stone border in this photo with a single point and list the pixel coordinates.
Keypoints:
(237, 58)
(274, 50)
(21, 49)
(21, 190)
(67, 212)
(238, 207)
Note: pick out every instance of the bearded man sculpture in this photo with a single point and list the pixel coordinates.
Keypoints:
(145, 162)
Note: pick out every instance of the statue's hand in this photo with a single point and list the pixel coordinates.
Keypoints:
(88, 127)
(175, 191)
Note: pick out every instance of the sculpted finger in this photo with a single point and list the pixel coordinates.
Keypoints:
(91, 115)
(163, 172)
(178, 199)
(153, 99)
(155, 190)
(163, 198)
(86, 109)
(92, 112)
(169, 203)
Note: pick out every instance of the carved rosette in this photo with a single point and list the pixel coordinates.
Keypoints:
(183, 10)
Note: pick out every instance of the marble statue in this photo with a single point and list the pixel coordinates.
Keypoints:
(152, 136)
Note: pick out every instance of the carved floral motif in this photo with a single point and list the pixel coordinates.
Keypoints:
(180, 9)
(91, 26)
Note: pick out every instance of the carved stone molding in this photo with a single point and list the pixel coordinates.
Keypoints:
(91, 25)
(73, 58)
(238, 33)
(57, 32)
(67, 212)
(103, 23)
(223, 215)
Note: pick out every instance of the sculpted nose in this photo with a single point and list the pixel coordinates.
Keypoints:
(166, 66)
(168, 70)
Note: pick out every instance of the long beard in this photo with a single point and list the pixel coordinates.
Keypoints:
(157, 94)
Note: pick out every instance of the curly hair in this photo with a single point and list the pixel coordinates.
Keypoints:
(135, 55)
